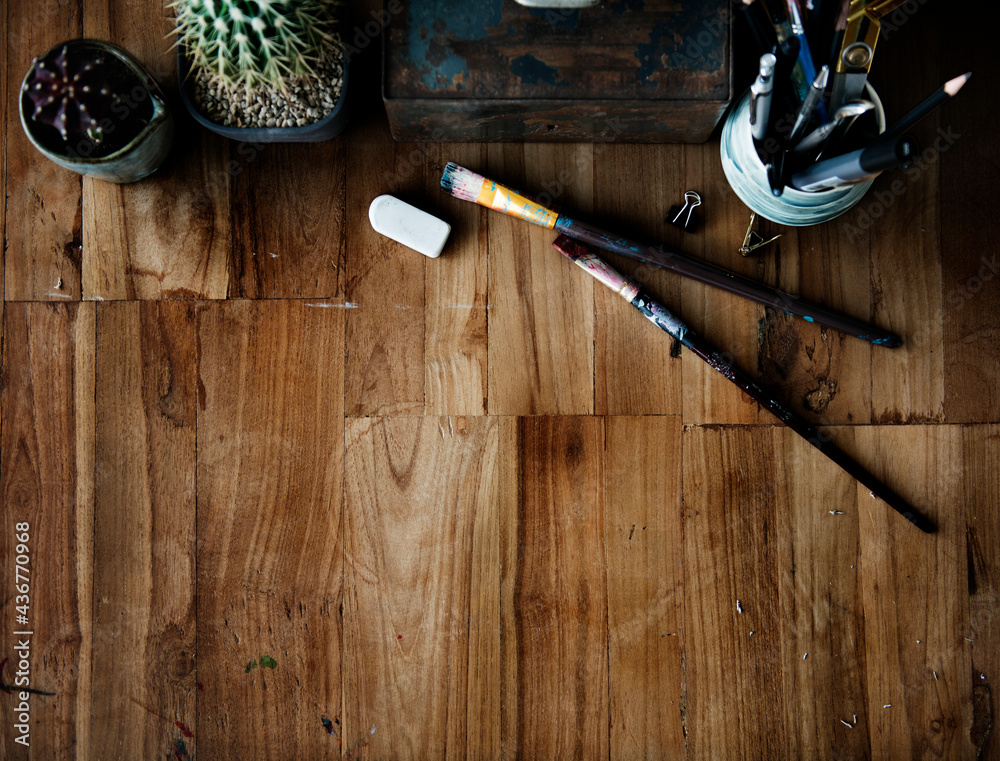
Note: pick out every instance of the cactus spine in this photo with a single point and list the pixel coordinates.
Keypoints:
(254, 41)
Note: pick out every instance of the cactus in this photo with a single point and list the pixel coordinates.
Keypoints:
(254, 41)
(70, 92)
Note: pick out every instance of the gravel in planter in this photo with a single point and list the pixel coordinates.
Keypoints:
(306, 99)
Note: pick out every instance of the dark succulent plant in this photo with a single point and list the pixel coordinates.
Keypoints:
(69, 92)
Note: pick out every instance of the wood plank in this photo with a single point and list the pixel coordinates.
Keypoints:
(422, 615)
(822, 624)
(457, 311)
(4, 111)
(908, 382)
(624, 352)
(47, 448)
(144, 530)
(916, 597)
(821, 374)
(168, 236)
(385, 284)
(735, 686)
(270, 569)
(541, 329)
(970, 274)
(42, 259)
(555, 607)
(85, 400)
(981, 458)
(645, 559)
(289, 242)
(730, 322)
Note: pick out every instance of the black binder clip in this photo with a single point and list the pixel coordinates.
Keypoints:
(682, 216)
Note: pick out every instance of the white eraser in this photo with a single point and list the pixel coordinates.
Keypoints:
(409, 225)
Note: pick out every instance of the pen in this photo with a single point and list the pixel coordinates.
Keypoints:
(783, 31)
(820, 136)
(775, 145)
(813, 98)
(760, 96)
(762, 34)
(805, 54)
(856, 166)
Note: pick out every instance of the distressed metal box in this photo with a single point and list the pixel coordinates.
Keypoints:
(494, 70)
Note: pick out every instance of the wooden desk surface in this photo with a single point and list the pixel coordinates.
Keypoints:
(296, 492)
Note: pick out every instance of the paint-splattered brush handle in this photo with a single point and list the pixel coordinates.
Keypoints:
(465, 184)
(703, 272)
(588, 260)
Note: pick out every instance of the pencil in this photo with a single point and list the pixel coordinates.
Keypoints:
(947, 91)
(469, 186)
(656, 313)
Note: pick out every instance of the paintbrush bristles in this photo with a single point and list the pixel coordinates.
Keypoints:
(461, 182)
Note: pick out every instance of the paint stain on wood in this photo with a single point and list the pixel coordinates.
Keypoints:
(265, 662)
(819, 399)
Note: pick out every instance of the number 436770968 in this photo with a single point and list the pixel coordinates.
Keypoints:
(22, 586)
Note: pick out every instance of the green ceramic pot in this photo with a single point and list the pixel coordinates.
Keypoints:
(139, 127)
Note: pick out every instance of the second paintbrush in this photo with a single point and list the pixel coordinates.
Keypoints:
(467, 185)
(659, 316)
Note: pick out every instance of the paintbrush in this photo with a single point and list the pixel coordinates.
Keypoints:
(653, 311)
(467, 185)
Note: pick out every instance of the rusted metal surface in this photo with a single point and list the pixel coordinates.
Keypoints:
(626, 70)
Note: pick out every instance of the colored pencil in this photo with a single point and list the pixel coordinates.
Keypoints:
(656, 313)
(467, 185)
(947, 91)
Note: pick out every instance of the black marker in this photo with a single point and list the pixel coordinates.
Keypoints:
(857, 166)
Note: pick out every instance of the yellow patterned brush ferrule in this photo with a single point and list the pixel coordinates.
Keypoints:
(506, 200)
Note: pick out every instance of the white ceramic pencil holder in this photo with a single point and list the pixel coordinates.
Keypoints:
(747, 175)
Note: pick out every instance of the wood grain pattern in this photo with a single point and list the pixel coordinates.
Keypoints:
(981, 458)
(735, 686)
(168, 236)
(471, 502)
(556, 667)
(385, 286)
(421, 613)
(645, 551)
(908, 383)
(144, 529)
(729, 322)
(916, 602)
(636, 370)
(822, 625)
(541, 328)
(456, 308)
(47, 412)
(270, 569)
(970, 266)
(288, 241)
(821, 374)
(43, 237)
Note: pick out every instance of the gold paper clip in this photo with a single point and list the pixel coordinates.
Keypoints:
(753, 239)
